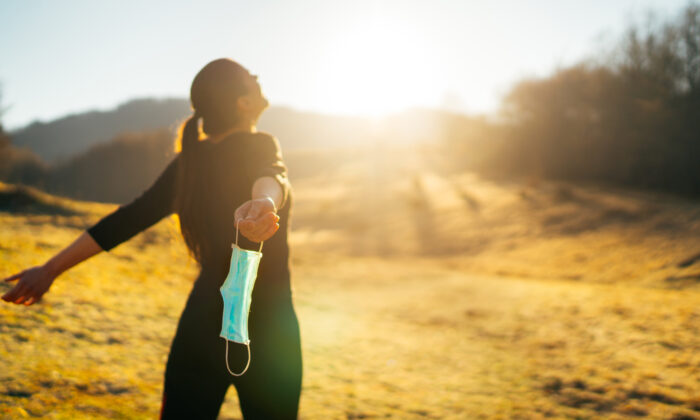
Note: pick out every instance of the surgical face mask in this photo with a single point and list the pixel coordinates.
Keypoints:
(237, 291)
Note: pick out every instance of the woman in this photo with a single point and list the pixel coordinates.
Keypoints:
(234, 174)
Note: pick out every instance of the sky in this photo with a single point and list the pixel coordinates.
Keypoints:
(359, 57)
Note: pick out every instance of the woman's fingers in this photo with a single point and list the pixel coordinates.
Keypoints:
(269, 223)
(251, 230)
(263, 236)
(252, 224)
(34, 282)
(258, 230)
(21, 294)
(260, 225)
(18, 291)
(11, 295)
(264, 222)
(14, 294)
(14, 276)
(28, 296)
(270, 231)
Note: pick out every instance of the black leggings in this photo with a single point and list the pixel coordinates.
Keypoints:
(196, 378)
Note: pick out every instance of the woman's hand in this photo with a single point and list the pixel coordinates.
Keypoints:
(33, 283)
(258, 219)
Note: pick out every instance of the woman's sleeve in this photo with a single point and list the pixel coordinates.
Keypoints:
(144, 211)
(267, 161)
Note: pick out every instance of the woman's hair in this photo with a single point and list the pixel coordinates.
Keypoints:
(213, 96)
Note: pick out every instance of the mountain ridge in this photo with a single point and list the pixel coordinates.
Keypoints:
(58, 140)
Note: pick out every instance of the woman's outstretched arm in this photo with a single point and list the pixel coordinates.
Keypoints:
(35, 281)
(144, 211)
(269, 187)
(118, 226)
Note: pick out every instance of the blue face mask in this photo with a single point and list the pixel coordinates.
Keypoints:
(237, 291)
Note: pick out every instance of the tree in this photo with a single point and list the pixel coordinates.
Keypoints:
(5, 145)
(631, 119)
(19, 165)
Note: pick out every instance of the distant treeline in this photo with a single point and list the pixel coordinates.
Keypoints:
(629, 118)
(114, 171)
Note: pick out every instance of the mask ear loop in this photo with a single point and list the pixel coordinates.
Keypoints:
(246, 365)
(248, 343)
(239, 221)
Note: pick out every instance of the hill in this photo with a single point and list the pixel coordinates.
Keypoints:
(62, 138)
(58, 140)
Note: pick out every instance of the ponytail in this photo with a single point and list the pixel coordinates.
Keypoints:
(190, 133)
(186, 201)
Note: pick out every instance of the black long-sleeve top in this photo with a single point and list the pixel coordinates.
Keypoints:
(234, 164)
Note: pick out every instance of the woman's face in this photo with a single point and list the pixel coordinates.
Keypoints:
(253, 103)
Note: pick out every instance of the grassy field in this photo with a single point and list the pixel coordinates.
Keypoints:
(419, 294)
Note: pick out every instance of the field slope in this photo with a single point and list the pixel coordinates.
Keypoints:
(420, 295)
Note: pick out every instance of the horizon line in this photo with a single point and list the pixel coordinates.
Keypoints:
(371, 117)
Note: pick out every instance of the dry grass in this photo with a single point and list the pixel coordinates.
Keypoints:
(419, 296)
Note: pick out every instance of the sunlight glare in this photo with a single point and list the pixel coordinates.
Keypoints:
(375, 70)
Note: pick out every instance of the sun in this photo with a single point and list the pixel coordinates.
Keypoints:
(376, 69)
